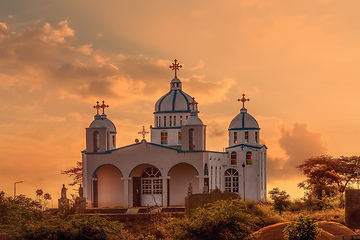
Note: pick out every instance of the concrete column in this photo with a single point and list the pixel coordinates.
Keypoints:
(126, 191)
(165, 191)
(201, 184)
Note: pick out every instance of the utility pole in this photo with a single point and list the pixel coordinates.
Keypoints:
(243, 165)
(15, 187)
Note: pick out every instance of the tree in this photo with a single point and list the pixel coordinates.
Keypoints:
(75, 173)
(281, 200)
(332, 175)
(47, 197)
(303, 229)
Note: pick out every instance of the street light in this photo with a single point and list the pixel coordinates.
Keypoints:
(15, 188)
(243, 165)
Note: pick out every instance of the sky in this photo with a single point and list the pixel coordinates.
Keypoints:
(296, 60)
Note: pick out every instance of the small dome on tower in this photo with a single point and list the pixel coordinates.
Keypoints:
(102, 120)
(194, 119)
(244, 121)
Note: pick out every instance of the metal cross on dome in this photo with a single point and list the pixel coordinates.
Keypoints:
(193, 103)
(97, 106)
(243, 100)
(103, 106)
(175, 66)
(143, 132)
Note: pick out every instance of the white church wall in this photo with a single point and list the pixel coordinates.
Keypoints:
(110, 187)
(181, 176)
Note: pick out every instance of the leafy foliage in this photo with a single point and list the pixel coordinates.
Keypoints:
(329, 175)
(281, 200)
(75, 173)
(226, 219)
(303, 229)
(74, 227)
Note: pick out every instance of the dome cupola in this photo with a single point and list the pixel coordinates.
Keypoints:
(101, 134)
(244, 129)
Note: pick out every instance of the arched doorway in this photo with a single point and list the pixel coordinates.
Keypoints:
(109, 190)
(151, 187)
(232, 180)
(181, 175)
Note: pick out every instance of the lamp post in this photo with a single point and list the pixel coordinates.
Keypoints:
(243, 165)
(15, 188)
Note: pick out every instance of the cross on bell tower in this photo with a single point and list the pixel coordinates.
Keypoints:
(97, 106)
(103, 106)
(243, 100)
(143, 132)
(175, 66)
(193, 103)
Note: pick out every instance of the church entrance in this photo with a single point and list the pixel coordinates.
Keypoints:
(151, 187)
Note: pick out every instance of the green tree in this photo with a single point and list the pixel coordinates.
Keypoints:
(303, 229)
(226, 219)
(281, 200)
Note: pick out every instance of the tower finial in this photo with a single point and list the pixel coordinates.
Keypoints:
(243, 100)
(143, 132)
(103, 106)
(97, 106)
(193, 103)
(175, 66)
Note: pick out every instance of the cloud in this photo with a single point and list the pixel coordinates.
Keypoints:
(299, 144)
(208, 92)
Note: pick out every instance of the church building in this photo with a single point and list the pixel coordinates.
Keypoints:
(176, 162)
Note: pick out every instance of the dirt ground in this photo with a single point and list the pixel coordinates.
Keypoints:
(330, 229)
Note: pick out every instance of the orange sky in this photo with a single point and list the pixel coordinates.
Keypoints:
(296, 60)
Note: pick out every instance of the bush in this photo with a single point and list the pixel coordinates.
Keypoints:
(226, 219)
(303, 229)
(74, 227)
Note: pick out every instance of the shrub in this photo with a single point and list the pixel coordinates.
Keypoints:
(226, 219)
(74, 227)
(303, 229)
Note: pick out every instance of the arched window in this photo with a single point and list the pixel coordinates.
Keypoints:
(233, 158)
(235, 137)
(174, 121)
(206, 171)
(246, 137)
(164, 138)
(248, 158)
(164, 121)
(170, 121)
(191, 139)
(107, 141)
(180, 120)
(211, 178)
(256, 137)
(113, 140)
(232, 180)
(179, 137)
(159, 122)
(216, 177)
(96, 141)
(220, 177)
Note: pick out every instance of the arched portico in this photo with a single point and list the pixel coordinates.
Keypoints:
(178, 188)
(147, 186)
(108, 187)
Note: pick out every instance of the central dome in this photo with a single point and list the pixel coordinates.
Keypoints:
(244, 121)
(175, 100)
